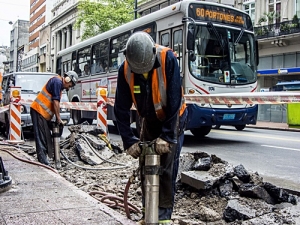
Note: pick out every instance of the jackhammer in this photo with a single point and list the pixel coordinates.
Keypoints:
(151, 169)
(56, 133)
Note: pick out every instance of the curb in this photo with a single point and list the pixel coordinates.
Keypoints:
(274, 128)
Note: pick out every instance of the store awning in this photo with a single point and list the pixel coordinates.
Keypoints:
(279, 72)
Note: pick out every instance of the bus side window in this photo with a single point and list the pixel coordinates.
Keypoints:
(84, 61)
(117, 45)
(99, 57)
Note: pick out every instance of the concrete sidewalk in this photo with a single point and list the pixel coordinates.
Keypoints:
(40, 196)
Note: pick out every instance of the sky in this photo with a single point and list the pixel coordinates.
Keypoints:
(11, 10)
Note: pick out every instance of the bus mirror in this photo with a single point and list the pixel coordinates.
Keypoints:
(190, 40)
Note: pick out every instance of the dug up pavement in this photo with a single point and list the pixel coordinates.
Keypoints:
(39, 195)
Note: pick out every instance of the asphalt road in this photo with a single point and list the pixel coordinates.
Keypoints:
(273, 154)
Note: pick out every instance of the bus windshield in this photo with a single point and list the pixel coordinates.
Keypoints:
(223, 55)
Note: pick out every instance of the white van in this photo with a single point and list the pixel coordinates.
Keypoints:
(31, 84)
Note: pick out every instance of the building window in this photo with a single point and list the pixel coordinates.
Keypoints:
(249, 8)
(275, 6)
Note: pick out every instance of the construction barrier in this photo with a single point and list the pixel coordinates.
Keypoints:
(245, 98)
(15, 114)
(228, 98)
(102, 108)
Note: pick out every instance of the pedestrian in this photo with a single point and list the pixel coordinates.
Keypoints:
(44, 107)
(150, 78)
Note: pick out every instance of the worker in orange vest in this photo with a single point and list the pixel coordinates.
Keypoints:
(150, 78)
(44, 107)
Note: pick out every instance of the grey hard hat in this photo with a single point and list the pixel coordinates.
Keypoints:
(73, 76)
(140, 52)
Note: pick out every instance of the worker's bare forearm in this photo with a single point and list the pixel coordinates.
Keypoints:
(57, 109)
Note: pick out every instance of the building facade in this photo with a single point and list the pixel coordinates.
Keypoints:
(40, 14)
(277, 28)
(63, 32)
(18, 38)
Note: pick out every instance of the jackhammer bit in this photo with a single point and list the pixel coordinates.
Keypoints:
(151, 170)
(56, 133)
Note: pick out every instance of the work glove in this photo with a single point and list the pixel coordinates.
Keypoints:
(134, 150)
(161, 146)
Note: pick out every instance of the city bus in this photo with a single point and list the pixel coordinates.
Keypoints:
(215, 47)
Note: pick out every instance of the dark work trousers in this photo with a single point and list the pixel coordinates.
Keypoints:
(169, 163)
(42, 136)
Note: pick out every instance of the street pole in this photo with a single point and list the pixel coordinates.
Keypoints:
(135, 9)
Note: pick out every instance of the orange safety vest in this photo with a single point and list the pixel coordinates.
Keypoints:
(43, 103)
(159, 84)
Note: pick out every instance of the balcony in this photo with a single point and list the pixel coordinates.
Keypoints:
(43, 58)
(277, 29)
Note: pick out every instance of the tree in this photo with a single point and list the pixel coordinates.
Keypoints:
(98, 17)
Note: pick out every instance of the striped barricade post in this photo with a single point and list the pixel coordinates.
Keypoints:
(102, 108)
(15, 115)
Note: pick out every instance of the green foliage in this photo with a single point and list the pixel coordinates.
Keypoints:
(96, 18)
(295, 19)
(268, 17)
(285, 27)
(262, 19)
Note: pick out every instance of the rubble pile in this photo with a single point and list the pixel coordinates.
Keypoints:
(209, 189)
(236, 196)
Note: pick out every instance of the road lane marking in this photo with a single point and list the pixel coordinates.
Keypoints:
(291, 149)
(240, 133)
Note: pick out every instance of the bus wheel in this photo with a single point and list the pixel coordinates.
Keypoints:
(240, 127)
(201, 131)
(76, 116)
(216, 126)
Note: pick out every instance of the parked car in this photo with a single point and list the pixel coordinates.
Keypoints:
(31, 84)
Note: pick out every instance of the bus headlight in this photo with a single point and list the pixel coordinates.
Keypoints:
(22, 109)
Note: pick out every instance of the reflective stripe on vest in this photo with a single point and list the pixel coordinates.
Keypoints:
(43, 103)
(159, 83)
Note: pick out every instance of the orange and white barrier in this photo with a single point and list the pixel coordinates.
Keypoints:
(245, 98)
(15, 114)
(102, 108)
(228, 98)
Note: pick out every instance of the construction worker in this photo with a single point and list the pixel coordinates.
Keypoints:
(150, 78)
(44, 107)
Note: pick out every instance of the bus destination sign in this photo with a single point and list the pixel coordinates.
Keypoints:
(219, 14)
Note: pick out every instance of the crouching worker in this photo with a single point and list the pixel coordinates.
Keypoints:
(44, 107)
(150, 78)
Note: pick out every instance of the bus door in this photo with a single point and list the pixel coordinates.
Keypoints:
(83, 69)
(173, 38)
